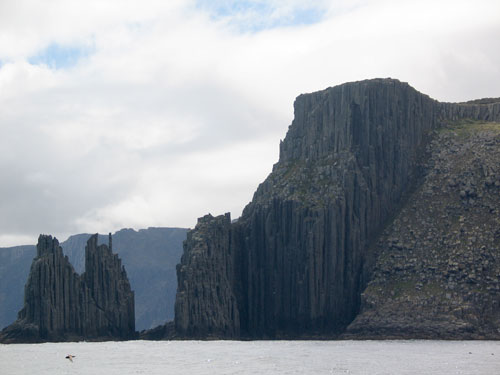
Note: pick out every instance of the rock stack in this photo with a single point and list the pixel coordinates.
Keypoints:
(61, 305)
(111, 307)
(302, 252)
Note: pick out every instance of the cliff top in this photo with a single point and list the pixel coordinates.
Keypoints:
(483, 101)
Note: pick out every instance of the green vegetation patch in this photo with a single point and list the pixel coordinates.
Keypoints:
(404, 288)
(433, 288)
(466, 128)
(411, 288)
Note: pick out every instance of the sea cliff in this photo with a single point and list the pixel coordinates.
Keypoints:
(297, 261)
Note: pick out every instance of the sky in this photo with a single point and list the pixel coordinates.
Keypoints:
(138, 113)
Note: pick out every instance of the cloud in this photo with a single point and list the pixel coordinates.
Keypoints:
(153, 113)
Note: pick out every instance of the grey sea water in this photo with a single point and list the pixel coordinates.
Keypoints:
(254, 357)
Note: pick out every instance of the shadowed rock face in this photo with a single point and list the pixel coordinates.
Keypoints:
(61, 305)
(51, 295)
(109, 291)
(205, 304)
(150, 257)
(300, 255)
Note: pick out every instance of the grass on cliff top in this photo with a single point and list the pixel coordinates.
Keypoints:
(465, 128)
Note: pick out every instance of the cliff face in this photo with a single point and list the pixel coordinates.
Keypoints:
(111, 308)
(150, 257)
(51, 295)
(61, 305)
(344, 165)
(205, 304)
(301, 254)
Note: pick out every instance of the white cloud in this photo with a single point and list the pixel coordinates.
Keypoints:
(176, 112)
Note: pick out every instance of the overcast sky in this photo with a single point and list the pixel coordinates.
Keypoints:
(152, 113)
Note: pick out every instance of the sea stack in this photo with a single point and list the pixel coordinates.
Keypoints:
(60, 305)
(112, 301)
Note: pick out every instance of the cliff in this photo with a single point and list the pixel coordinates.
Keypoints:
(61, 305)
(205, 304)
(301, 254)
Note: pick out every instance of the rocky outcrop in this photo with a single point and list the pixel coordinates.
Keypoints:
(149, 255)
(302, 252)
(51, 297)
(438, 273)
(111, 308)
(205, 304)
(61, 305)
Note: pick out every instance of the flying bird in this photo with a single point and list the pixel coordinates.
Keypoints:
(70, 357)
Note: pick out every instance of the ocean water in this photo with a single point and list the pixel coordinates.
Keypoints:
(254, 357)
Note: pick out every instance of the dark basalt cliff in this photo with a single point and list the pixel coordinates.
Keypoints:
(296, 262)
(61, 305)
(150, 257)
(109, 291)
(205, 303)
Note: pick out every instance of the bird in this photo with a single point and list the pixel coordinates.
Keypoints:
(70, 357)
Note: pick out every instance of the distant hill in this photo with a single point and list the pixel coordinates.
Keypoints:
(149, 255)
(14, 269)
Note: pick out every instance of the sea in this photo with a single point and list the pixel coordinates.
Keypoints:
(253, 357)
